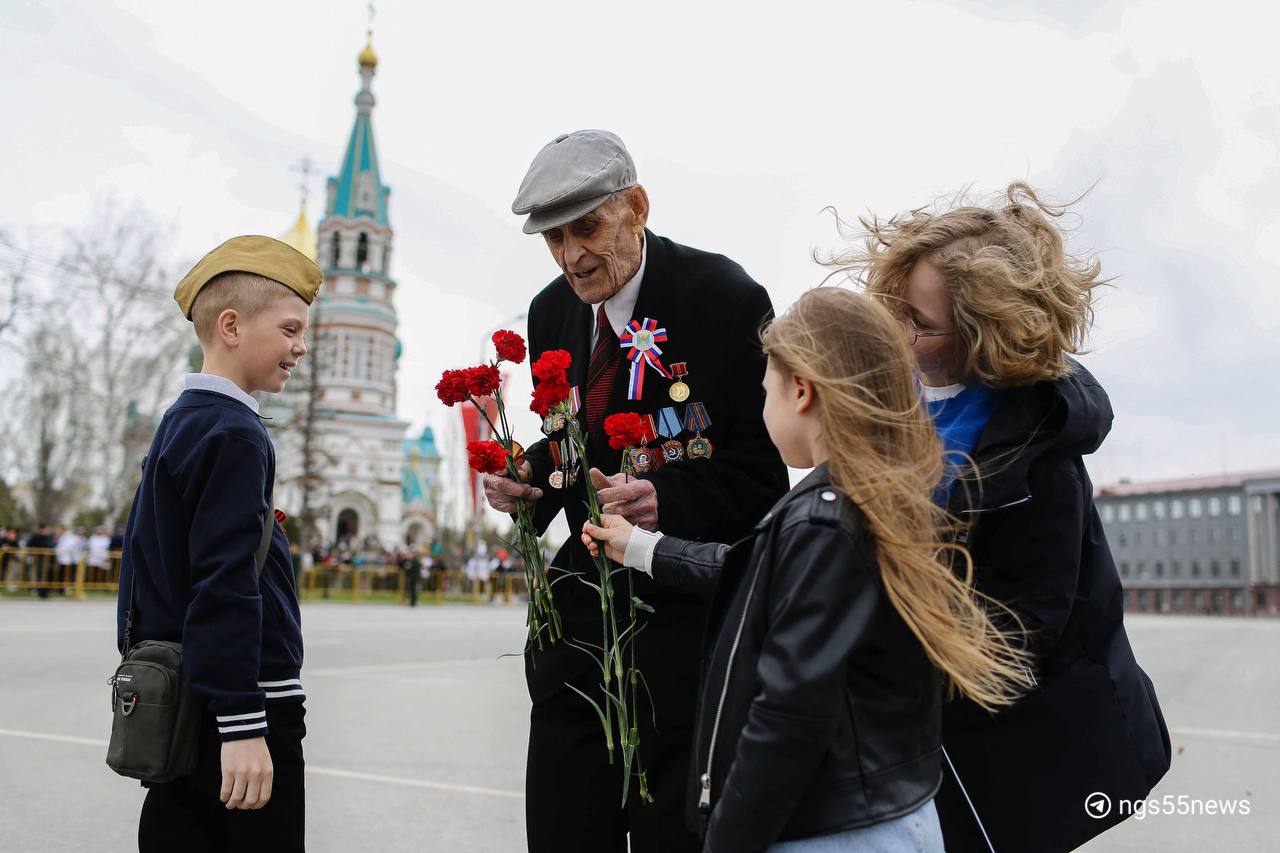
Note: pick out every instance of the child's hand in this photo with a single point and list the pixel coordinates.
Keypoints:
(246, 773)
(614, 532)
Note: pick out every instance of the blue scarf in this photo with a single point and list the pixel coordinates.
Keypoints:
(959, 421)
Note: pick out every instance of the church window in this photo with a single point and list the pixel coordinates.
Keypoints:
(362, 252)
(335, 251)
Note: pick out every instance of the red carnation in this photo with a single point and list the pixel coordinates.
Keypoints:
(625, 430)
(452, 387)
(487, 457)
(552, 364)
(483, 381)
(548, 394)
(509, 345)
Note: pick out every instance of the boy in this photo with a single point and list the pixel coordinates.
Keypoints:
(189, 559)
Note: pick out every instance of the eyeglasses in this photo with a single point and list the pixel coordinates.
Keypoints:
(909, 325)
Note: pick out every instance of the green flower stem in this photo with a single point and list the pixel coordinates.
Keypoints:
(542, 602)
(619, 683)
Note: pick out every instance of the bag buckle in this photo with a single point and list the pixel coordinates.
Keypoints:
(127, 705)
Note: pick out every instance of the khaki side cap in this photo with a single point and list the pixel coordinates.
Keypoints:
(264, 256)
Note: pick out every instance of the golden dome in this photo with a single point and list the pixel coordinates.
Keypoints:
(368, 58)
(302, 236)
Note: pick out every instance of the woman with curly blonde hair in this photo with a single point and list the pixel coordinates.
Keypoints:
(994, 306)
(836, 624)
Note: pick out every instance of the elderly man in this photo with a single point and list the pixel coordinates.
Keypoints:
(713, 477)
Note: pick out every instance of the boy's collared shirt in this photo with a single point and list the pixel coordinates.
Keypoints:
(218, 385)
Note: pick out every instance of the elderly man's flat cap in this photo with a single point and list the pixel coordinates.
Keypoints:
(262, 256)
(572, 175)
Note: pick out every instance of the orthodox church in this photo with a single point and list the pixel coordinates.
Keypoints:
(369, 483)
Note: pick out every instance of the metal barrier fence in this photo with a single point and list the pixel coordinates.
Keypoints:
(38, 569)
(357, 583)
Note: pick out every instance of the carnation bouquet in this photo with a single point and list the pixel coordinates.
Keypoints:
(619, 681)
(473, 384)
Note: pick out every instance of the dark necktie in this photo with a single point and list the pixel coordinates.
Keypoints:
(601, 371)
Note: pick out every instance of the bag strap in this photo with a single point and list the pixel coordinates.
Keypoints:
(259, 558)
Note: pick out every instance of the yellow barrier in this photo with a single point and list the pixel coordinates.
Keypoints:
(23, 569)
(39, 569)
(456, 584)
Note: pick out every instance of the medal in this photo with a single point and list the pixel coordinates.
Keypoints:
(679, 391)
(650, 429)
(667, 422)
(639, 342)
(574, 401)
(571, 470)
(553, 422)
(556, 479)
(672, 451)
(696, 420)
(642, 459)
(700, 448)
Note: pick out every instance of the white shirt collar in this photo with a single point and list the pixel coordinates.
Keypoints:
(219, 385)
(934, 393)
(619, 307)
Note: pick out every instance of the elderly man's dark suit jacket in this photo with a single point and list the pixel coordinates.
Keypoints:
(713, 312)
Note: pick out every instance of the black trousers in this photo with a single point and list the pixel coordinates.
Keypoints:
(573, 795)
(187, 815)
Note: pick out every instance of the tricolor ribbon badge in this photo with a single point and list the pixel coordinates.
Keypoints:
(639, 341)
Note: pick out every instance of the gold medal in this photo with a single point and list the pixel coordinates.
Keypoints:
(679, 391)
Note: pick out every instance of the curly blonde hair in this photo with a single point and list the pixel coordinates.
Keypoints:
(1020, 302)
(887, 457)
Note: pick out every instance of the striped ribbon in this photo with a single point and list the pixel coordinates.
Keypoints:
(695, 417)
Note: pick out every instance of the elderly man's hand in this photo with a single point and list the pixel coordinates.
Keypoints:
(502, 492)
(635, 500)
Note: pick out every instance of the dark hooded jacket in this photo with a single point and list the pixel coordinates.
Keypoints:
(1092, 723)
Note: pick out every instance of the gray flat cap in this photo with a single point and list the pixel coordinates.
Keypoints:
(572, 175)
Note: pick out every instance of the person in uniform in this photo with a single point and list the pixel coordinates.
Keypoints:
(189, 566)
(671, 333)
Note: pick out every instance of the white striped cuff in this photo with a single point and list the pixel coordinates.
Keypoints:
(256, 720)
(282, 689)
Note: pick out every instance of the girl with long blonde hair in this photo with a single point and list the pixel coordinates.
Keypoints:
(994, 304)
(837, 626)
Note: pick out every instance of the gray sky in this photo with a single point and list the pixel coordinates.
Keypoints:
(744, 126)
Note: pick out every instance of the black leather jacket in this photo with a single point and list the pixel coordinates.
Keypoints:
(820, 711)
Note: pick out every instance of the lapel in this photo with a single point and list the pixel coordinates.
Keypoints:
(654, 302)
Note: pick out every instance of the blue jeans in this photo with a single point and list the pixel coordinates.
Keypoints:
(916, 832)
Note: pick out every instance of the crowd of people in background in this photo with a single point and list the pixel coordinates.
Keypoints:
(48, 556)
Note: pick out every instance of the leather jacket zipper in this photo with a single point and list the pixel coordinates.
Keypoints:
(704, 800)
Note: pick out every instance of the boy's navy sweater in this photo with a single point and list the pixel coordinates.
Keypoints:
(189, 550)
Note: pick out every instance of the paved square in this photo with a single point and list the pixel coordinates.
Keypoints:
(417, 729)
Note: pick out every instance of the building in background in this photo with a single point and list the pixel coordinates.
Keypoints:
(373, 484)
(1197, 545)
